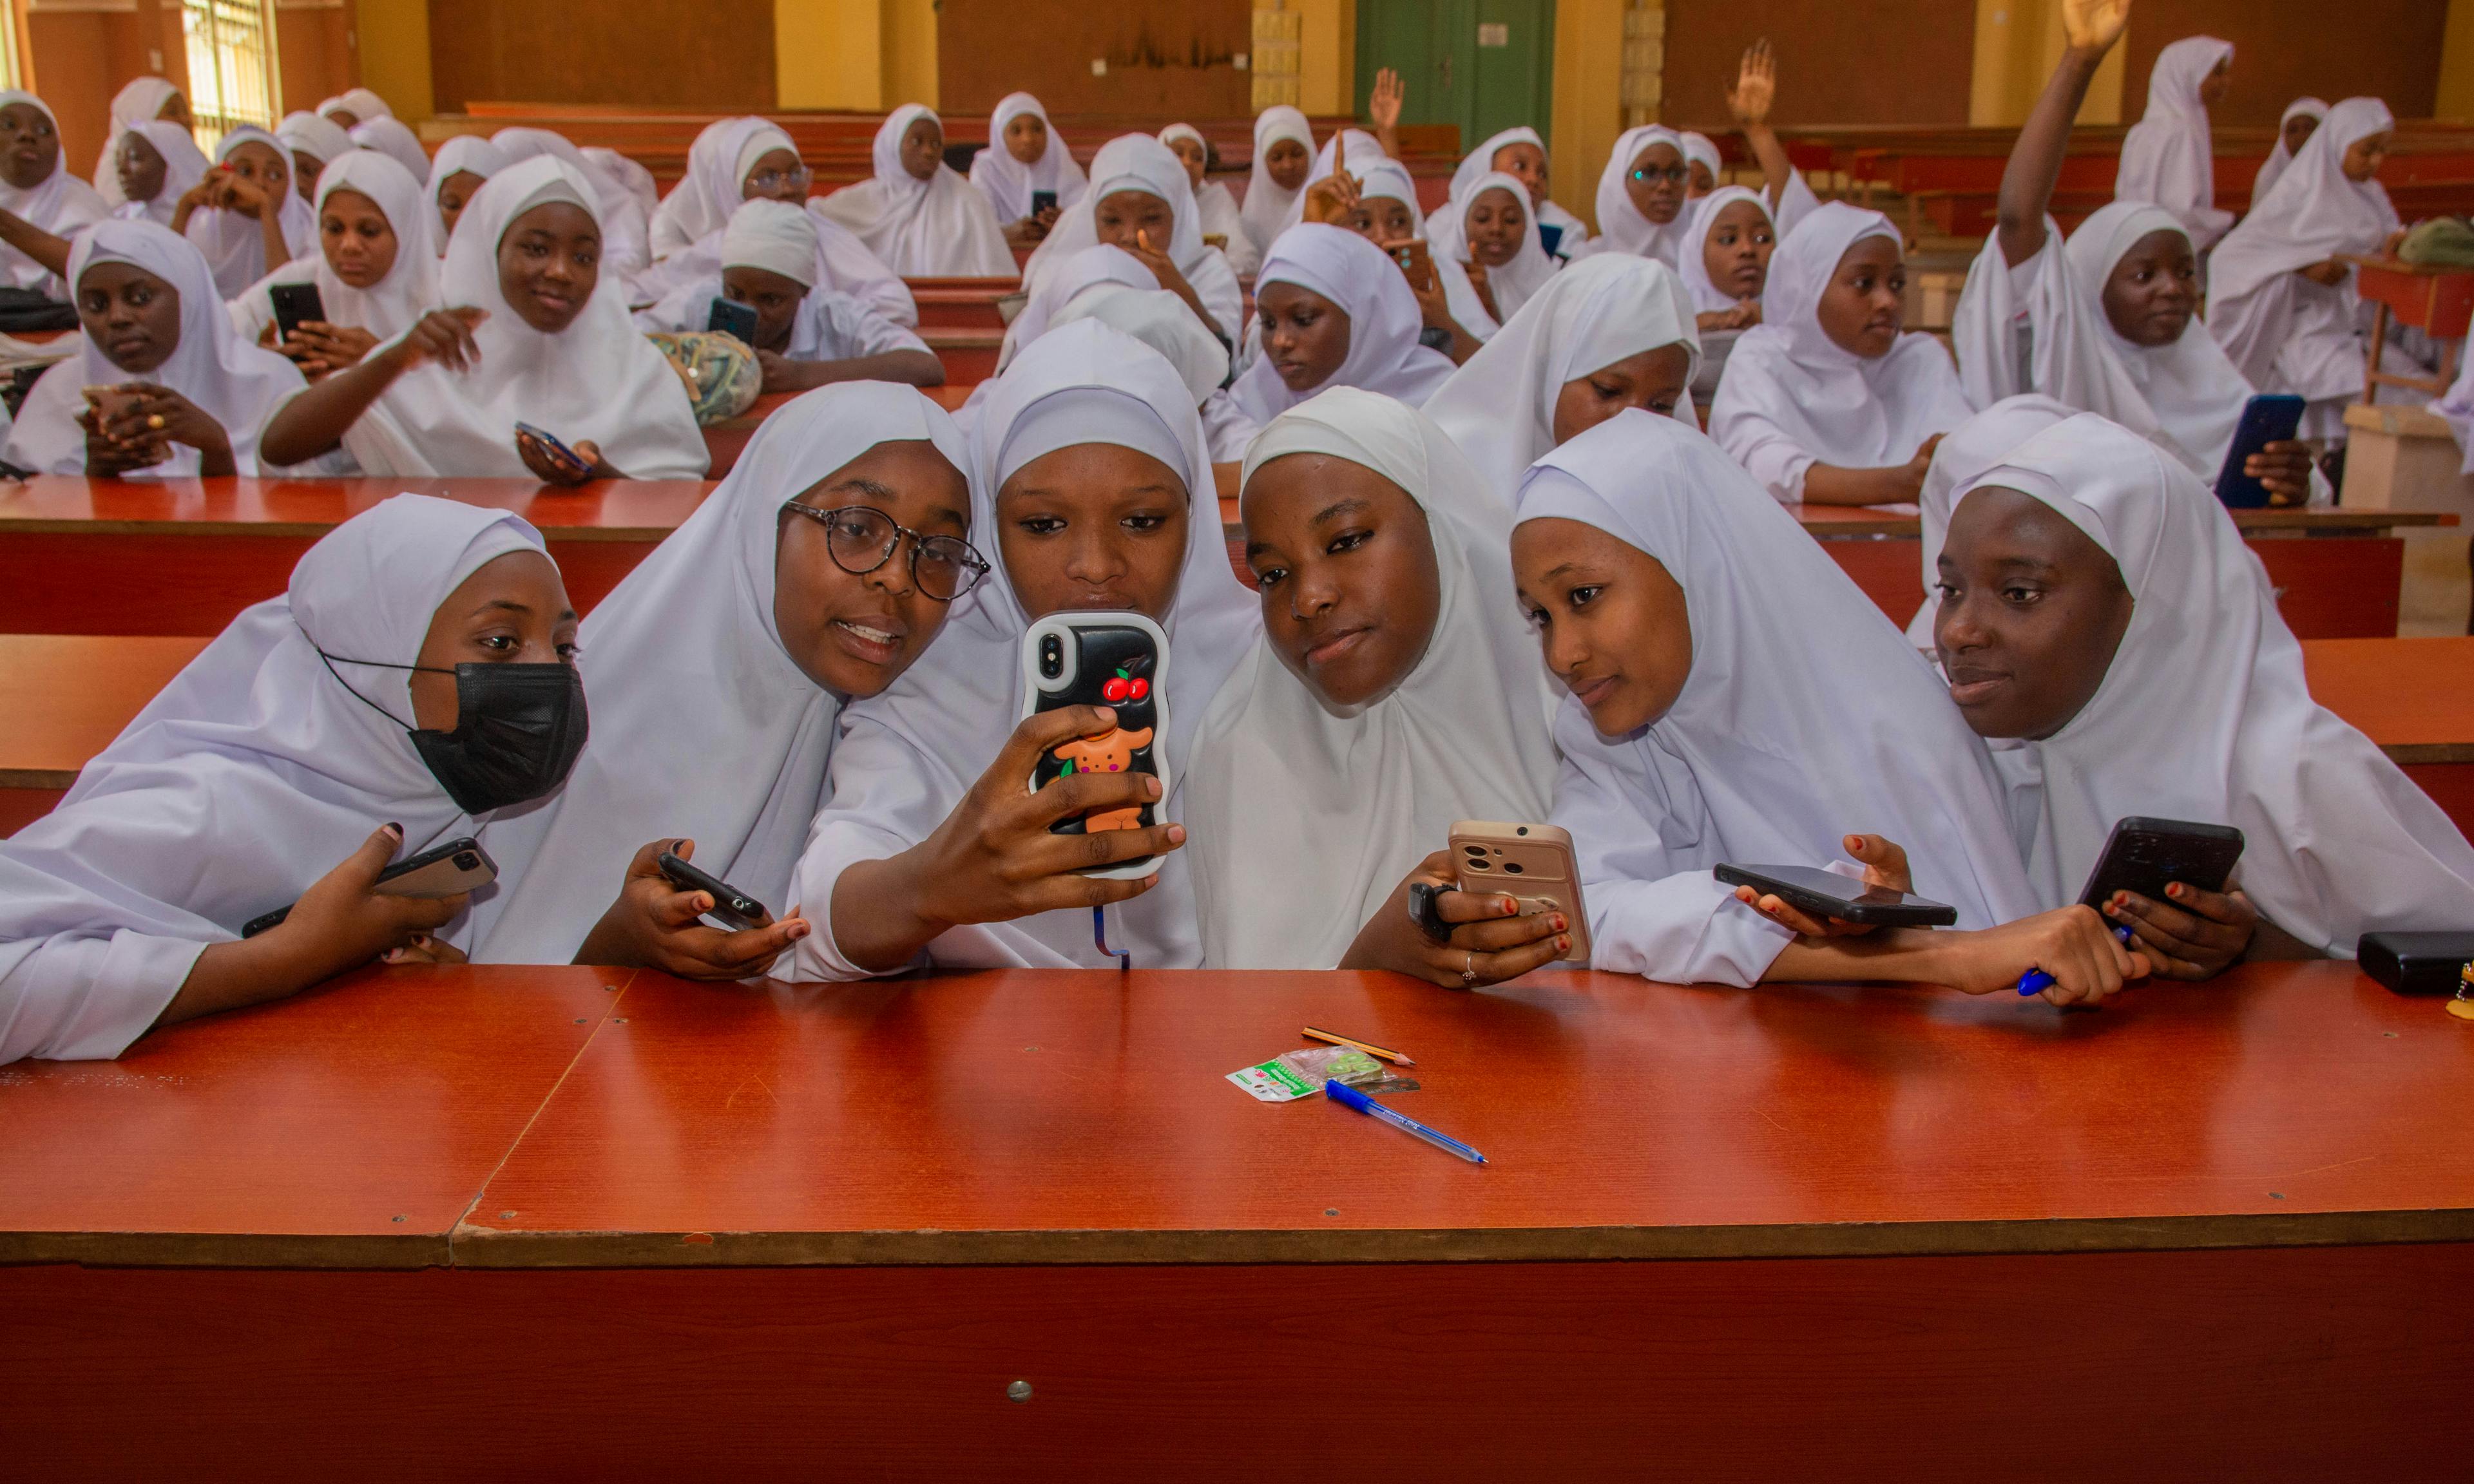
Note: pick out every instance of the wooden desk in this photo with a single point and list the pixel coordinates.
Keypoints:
(2438, 302)
(2413, 697)
(1785, 1232)
(66, 697)
(184, 555)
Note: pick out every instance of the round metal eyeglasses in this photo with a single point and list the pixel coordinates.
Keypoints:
(861, 539)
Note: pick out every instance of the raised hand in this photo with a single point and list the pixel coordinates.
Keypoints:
(1383, 106)
(1755, 85)
(2093, 25)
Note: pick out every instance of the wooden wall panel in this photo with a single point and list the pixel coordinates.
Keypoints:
(82, 57)
(1167, 59)
(701, 54)
(314, 44)
(2284, 49)
(1890, 61)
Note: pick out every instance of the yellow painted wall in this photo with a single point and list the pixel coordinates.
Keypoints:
(2456, 63)
(860, 55)
(2016, 44)
(1327, 55)
(909, 37)
(394, 48)
(1589, 99)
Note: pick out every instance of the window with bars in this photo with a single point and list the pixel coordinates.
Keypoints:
(233, 76)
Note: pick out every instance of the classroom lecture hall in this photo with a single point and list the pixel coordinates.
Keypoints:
(950, 739)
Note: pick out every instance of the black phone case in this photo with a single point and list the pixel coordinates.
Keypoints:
(732, 318)
(2265, 419)
(1912, 912)
(1041, 201)
(729, 903)
(2416, 962)
(295, 305)
(2142, 854)
(400, 868)
(1103, 655)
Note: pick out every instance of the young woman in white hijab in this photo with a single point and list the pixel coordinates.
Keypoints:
(1702, 164)
(142, 100)
(1215, 210)
(2294, 130)
(626, 227)
(245, 216)
(1393, 693)
(724, 662)
(1641, 202)
(1607, 333)
(1521, 154)
(1142, 201)
(627, 171)
(374, 271)
(41, 205)
(461, 165)
(2280, 300)
(1827, 401)
(534, 331)
(2110, 322)
(1958, 461)
(1094, 492)
(1494, 251)
(391, 138)
(1025, 155)
(179, 392)
(2150, 675)
(313, 141)
(1349, 153)
(313, 731)
(1284, 151)
(1703, 726)
(158, 163)
(807, 334)
(915, 214)
(1726, 267)
(1336, 312)
(2168, 157)
(355, 106)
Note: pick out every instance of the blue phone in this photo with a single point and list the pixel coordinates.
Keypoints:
(2265, 420)
(1550, 237)
(730, 317)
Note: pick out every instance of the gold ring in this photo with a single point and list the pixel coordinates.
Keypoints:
(155, 420)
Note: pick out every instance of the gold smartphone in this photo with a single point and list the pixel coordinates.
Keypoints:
(1533, 863)
(1417, 264)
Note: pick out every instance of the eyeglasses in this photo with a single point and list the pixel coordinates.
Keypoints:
(861, 539)
(1672, 174)
(766, 181)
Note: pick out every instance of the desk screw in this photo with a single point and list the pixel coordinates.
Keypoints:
(1018, 1391)
(622, 1020)
(2276, 1195)
(1331, 1210)
(506, 1215)
(399, 1218)
(579, 1019)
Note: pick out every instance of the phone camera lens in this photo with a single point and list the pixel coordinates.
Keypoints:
(1477, 862)
(1051, 656)
(1475, 852)
(465, 860)
(1520, 829)
(1511, 866)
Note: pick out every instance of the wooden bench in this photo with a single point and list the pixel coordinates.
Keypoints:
(574, 1221)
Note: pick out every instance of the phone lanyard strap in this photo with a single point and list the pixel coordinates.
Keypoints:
(1099, 936)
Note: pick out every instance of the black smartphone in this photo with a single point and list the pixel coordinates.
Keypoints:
(1550, 237)
(1825, 894)
(2142, 854)
(1116, 660)
(2266, 419)
(1042, 200)
(732, 907)
(559, 453)
(732, 318)
(295, 305)
(448, 870)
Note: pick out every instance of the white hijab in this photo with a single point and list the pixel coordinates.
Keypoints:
(907, 756)
(1777, 746)
(1694, 267)
(598, 379)
(1515, 283)
(1161, 320)
(237, 384)
(719, 161)
(233, 244)
(388, 136)
(2272, 169)
(185, 165)
(1006, 181)
(936, 227)
(626, 230)
(1958, 461)
(1267, 206)
(1305, 818)
(1352, 150)
(315, 135)
(1499, 407)
(2186, 398)
(2169, 158)
(707, 729)
(360, 103)
(139, 101)
(1703, 151)
(469, 155)
(252, 774)
(1063, 279)
(60, 203)
(1788, 377)
(1215, 209)
(1384, 354)
(2206, 714)
(2314, 214)
(1621, 228)
(1139, 162)
(386, 308)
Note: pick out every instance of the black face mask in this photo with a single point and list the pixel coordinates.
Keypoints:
(519, 728)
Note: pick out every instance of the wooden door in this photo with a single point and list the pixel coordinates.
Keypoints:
(1481, 65)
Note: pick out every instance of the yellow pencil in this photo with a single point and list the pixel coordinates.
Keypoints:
(1312, 1032)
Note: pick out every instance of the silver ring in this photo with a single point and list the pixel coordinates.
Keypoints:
(1468, 970)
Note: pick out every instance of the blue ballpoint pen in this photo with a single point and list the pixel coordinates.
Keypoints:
(1347, 1096)
(2035, 981)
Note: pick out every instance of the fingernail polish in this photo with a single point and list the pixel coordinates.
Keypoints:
(798, 930)
(1558, 923)
(395, 829)
(1563, 945)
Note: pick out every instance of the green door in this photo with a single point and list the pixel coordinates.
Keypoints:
(1485, 65)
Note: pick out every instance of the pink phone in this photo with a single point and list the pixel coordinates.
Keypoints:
(1532, 863)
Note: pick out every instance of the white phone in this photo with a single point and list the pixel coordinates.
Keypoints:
(1102, 659)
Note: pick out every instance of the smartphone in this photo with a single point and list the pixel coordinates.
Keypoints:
(559, 453)
(295, 305)
(1532, 863)
(1550, 237)
(2142, 854)
(1042, 200)
(1102, 659)
(2266, 419)
(109, 403)
(1417, 264)
(730, 906)
(447, 870)
(733, 319)
(1825, 894)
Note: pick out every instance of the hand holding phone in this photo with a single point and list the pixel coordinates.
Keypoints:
(661, 920)
(566, 465)
(2266, 419)
(295, 305)
(730, 317)
(1417, 263)
(1119, 661)
(1825, 895)
(2164, 883)
(1885, 867)
(344, 920)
